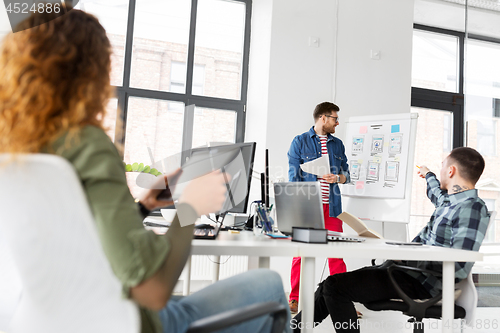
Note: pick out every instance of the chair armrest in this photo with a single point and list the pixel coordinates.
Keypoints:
(415, 269)
(389, 263)
(416, 309)
(233, 317)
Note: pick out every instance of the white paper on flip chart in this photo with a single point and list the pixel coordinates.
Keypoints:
(318, 167)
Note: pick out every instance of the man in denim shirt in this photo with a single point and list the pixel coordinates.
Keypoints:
(309, 146)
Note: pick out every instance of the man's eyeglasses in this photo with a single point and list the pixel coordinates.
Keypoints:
(336, 119)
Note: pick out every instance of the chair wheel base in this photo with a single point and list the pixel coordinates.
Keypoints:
(418, 325)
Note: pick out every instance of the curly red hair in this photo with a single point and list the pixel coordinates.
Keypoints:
(54, 78)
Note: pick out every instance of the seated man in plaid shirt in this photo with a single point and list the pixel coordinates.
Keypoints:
(459, 221)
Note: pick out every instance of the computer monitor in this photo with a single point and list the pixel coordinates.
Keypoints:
(234, 159)
(298, 204)
(248, 154)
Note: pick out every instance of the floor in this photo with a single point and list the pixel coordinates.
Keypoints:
(487, 321)
(488, 296)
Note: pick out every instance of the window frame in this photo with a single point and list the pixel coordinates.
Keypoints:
(124, 92)
(448, 101)
(444, 100)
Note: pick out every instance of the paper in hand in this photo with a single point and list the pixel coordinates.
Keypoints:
(318, 167)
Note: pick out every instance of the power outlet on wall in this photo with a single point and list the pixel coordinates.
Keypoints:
(375, 54)
(313, 41)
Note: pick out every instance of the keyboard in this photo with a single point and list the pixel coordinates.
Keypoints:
(160, 226)
(156, 225)
(334, 236)
(206, 233)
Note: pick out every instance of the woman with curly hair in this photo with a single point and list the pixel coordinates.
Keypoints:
(54, 85)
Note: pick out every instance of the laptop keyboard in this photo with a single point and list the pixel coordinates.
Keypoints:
(206, 233)
(341, 238)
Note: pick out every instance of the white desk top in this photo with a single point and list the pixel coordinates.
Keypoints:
(245, 243)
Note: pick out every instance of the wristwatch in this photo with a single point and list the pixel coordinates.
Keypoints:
(144, 211)
(338, 179)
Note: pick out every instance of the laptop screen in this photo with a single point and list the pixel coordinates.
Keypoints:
(298, 204)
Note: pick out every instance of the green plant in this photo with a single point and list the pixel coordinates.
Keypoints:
(140, 167)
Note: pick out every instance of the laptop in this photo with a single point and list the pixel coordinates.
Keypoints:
(204, 228)
(299, 204)
(334, 236)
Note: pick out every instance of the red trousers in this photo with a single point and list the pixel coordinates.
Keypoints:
(336, 265)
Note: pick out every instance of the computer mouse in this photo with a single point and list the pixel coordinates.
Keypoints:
(204, 226)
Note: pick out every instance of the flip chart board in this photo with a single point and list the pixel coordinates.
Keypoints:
(380, 151)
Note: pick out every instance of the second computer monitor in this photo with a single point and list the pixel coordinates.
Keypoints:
(234, 159)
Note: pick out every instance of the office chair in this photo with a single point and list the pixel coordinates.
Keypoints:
(67, 282)
(493, 214)
(232, 317)
(465, 304)
(66, 279)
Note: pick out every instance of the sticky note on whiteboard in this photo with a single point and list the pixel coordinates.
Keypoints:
(395, 128)
(363, 129)
(360, 185)
(377, 159)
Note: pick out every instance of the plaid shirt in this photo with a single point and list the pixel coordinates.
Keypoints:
(459, 221)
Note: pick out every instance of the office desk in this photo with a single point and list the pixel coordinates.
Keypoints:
(246, 244)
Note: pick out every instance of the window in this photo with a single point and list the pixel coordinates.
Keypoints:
(161, 38)
(430, 133)
(485, 130)
(220, 33)
(110, 118)
(447, 132)
(152, 133)
(496, 107)
(113, 17)
(434, 63)
(178, 80)
(483, 90)
(211, 125)
(456, 85)
(180, 68)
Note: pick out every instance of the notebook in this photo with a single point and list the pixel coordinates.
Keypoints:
(298, 204)
(358, 226)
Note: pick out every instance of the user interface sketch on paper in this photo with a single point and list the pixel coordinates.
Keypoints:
(318, 167)
(377, 154)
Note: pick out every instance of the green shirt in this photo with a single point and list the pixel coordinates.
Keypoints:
(134, 253)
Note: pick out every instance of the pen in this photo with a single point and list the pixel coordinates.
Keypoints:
(270, 208)
(417, 166)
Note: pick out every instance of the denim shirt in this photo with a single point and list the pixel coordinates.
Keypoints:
(307, 147)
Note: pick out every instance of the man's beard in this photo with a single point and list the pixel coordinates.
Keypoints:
(330, 130)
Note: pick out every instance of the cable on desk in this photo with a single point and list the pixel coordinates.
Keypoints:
(323, 272)
(208, 216)
(219, 263)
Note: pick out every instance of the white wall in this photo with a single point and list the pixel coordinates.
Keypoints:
(258, 86)
(299, 76)
(288, 77)
(366, 86)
